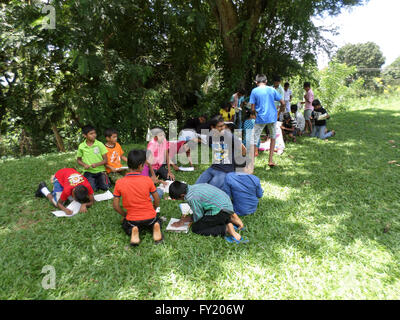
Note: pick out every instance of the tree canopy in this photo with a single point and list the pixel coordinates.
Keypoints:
(136, 64)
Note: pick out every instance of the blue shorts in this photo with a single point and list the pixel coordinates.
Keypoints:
(57, 189)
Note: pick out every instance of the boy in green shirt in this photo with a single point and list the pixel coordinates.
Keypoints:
(92, 155)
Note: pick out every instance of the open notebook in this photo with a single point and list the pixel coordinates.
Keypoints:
(75, 206)
(185, 209)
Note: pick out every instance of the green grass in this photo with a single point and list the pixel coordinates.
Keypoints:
(327, 228)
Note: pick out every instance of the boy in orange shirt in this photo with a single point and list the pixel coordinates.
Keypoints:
(115, 152)
(135, 189)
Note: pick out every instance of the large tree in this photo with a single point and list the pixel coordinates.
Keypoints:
(366, 57)
(270, 36)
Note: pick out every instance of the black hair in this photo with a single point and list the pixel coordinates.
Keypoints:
(215, 120)
(293, 107)
(242, 91)
(136, 158)
(286, 84)
(81, 194)
(276, 79)
(316, 102)
(286, 116)
(86, 129)
(176, 189)
(226, 105)
(307, 85)
(109, 132)
(261, 78)
(203, 116)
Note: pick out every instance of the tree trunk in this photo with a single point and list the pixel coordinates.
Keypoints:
(237, 33)
(59, 140)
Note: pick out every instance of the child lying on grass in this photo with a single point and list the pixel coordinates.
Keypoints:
(212, 210)
(67, 182)
(135, 189)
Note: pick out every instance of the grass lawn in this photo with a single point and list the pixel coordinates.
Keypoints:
(327, 228)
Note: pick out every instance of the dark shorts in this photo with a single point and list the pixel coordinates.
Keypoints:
(98, 180)
(141, 224)
(213, 225)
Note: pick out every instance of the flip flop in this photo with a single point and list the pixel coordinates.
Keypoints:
(271, 165)
(231, 239)
(237, 228)
(134, 244)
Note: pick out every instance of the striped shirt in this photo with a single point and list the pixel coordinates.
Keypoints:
(205, 199)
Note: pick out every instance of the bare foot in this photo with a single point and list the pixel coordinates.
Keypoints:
(231, 231)
(236, 220)
(135, 240)
(157, 235)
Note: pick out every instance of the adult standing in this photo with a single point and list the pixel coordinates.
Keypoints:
(262, 100)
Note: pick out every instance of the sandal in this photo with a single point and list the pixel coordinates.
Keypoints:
(232, 239)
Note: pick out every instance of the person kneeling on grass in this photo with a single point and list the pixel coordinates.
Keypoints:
(320, 115)
(135, 190)
(212, 211)
(67, 182)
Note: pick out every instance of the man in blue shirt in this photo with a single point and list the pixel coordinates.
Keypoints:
(244, 189)
(262, 100)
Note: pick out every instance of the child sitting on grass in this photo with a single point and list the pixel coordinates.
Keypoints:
(92, 155)
(67, 183)
(135, 189)
(212, 210)
(288, 128)
(158, 155)
(320, 115)
(298, 119)
(114, 154)
(244, 189)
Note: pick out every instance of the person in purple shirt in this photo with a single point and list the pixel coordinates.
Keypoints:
(244, 189)
(262, 100)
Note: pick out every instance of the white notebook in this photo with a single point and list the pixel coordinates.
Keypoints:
(75, 206)
(104, 196)
(186, 168)
(185, 209)
(183, 229)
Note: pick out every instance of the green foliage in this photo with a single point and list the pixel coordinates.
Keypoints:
(327, 228)
(134, 65)
(332, 89)
(391, 74)
(366, 57)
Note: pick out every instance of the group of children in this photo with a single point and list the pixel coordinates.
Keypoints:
(293, 123)
(213, 214)
(222, 193)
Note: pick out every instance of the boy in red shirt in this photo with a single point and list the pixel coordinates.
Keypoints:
(135, 190)
(68, 182)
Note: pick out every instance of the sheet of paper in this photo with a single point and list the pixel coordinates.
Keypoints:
(185, 209)
(104, 196)
(186, 168)
(75, 206)
(184, 228)
(165, 188)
